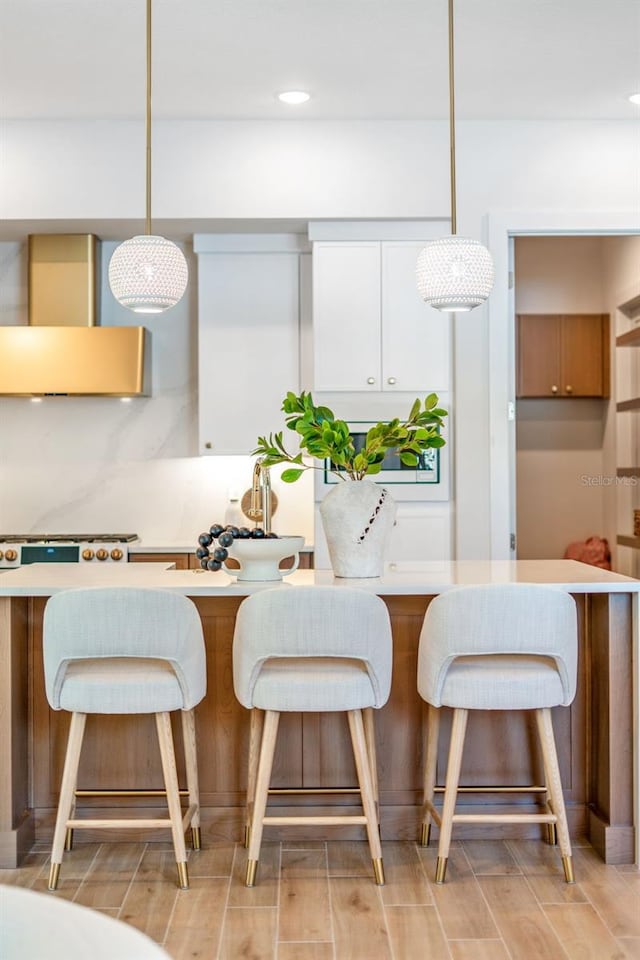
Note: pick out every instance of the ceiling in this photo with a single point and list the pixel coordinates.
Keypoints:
(360, 59)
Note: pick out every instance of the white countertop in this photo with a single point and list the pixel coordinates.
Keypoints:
(407, 578)
(143, 547)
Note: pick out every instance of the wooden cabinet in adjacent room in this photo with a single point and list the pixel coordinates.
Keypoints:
(563, 355)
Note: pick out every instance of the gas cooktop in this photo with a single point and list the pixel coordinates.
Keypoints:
(68, 537)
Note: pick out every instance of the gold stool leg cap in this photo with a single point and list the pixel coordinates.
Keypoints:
(441, 869)
(247, 835)
(552, 834)
(196, 838)
(54, 874)
(378, 871)
(250, 876)
(567, 863)
(183, 875)
(425, 834)
(68, 839)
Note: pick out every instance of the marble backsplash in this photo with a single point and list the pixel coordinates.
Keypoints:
(98, 464)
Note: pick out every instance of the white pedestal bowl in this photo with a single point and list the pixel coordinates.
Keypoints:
(260, 559)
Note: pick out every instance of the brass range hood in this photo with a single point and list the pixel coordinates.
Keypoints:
(62, 350)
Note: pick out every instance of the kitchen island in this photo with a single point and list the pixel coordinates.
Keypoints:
(595, 735)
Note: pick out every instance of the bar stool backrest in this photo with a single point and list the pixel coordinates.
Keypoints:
(335, 622)
(510, 618)
(109, 622)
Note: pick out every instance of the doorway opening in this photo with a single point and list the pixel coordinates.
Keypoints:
(576, 452)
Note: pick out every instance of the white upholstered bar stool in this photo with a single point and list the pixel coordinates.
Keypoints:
(496, 647)
(125, 650)
(311, 649)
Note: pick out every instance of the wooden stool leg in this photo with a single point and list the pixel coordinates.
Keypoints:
(267, 748)
(67, 794)
(356, 727)
(68, 839)
(191, 764)
(370, 737)
(456, 746)
(255, 737)
(167, 754)
(554, 785)
(433, 729)
(552, 833)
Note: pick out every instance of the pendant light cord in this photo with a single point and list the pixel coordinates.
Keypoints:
(148, 125)
(452, 124)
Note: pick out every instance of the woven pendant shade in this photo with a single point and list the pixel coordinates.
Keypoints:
(454, 274)
(148, 274)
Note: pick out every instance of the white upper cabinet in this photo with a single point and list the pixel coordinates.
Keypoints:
(371, 330)
(346, 316)
(416, 351)
(248, 346)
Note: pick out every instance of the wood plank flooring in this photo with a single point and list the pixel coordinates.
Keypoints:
(503, 900)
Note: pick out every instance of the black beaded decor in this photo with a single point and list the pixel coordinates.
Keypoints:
(213, 544)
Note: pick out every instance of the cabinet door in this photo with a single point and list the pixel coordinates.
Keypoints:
(421, 532)
(415, 337)
(538, 355)
(563, 355)
(585, 355)
(181, 560)
(346, 316)
(248, 346)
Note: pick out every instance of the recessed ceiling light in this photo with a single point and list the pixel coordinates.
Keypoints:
(294, 96)
(635, 98)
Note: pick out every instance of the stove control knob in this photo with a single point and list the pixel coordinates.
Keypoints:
(1, 554)
(11, 555)
(102, 554)
(116, 554)
(87, 554)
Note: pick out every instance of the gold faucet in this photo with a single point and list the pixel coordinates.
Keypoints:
(260, 507)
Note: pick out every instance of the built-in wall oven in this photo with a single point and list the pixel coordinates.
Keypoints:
(19, 549)
(426, 482)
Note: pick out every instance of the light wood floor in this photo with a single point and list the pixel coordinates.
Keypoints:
(317, 901)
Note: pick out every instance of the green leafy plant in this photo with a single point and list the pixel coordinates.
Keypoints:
(322, 436)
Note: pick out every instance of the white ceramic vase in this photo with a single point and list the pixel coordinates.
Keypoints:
(357, 517)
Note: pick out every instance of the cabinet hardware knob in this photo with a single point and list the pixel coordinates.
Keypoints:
(554, 389)
(371, 379)
(208, 445)
(569, 388)
(391, 380)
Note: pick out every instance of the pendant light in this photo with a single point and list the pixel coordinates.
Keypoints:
(454, 274)
(148, 274)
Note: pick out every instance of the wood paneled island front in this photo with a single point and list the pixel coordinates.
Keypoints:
(595, 736)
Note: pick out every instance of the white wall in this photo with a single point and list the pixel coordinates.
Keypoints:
(327, 171)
